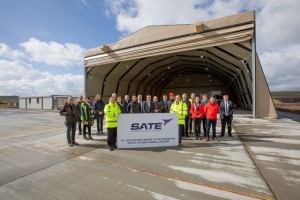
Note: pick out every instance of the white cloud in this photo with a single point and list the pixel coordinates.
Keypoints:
(53, 53)
(20, 78)
(282, 68)
(84, 2)
(7, 52)
(278, 28)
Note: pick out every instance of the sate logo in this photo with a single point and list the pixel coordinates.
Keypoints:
(166, 121)
(149, 126)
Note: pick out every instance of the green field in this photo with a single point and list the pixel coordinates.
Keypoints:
(286, 94)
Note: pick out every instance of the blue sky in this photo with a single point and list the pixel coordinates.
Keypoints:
(42, 41)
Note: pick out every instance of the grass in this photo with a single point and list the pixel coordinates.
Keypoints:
(286, 94)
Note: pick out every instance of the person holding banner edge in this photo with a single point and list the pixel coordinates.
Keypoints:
(112, 111)
(180, 108)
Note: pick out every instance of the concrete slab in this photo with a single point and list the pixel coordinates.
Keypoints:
(274, 145)
(36, 163)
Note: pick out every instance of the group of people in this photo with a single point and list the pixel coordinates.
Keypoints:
(191, 113)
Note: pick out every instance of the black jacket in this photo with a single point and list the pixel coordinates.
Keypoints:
(164, 106)
(230, 109)
(122, 107)
(125, 103)
(134, 107)
(70, 113)
(98, 106)
(169, 104)
(188, 104)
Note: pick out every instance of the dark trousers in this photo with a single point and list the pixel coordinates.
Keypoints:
(99, 121)
(111, 136)
(84, 130)
(180, 132)
(79, 123)
(204, 126)
(197, 126)
(188, 125)
(226, 120)
(71, 129)
(213, 123)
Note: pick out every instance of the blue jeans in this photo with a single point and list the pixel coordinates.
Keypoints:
(71, 129)
(213, 123)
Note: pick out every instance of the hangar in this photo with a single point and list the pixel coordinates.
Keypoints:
(212, 57)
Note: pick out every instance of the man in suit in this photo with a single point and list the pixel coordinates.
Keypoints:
(148, 106)
(126, 102)
(226, 115)
(164, 104)
(141, 102)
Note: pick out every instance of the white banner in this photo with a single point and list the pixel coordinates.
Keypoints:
(147, 130)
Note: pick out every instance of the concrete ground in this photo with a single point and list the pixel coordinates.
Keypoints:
(36, 163)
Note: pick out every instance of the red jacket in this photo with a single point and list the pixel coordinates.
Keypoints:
(211, 110)
(194, 111)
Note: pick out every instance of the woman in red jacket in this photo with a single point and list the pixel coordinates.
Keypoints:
(211, 110)
(197, 110)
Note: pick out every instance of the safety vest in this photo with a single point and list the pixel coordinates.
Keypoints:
(112, 112)
(191, 100)
(181, 110)
(85, 112)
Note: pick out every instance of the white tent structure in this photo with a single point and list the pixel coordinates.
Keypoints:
(216, 55)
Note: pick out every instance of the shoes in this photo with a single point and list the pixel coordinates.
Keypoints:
(85, 138)
(101, 132)
(115, 147)
(80, 133)
(111, 148)
(90, 137)
(70, 144)
(214, 138)
(75, 143)
(207, 139)
(196, 138)
(179, 144)
(98, 132)
(187, 135)
(221, 135)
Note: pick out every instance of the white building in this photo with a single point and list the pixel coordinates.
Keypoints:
(53, 102)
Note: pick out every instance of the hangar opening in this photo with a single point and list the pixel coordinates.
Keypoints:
(214, 57)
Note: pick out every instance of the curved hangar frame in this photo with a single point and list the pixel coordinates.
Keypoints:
(217, 56)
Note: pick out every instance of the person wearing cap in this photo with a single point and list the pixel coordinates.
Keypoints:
(170, 102)
(180, 109)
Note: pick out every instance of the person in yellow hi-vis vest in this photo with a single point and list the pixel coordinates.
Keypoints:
(112, 112)
(180, 108)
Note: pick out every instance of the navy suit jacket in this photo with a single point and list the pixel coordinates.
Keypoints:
(147, 109)
(230, 109)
